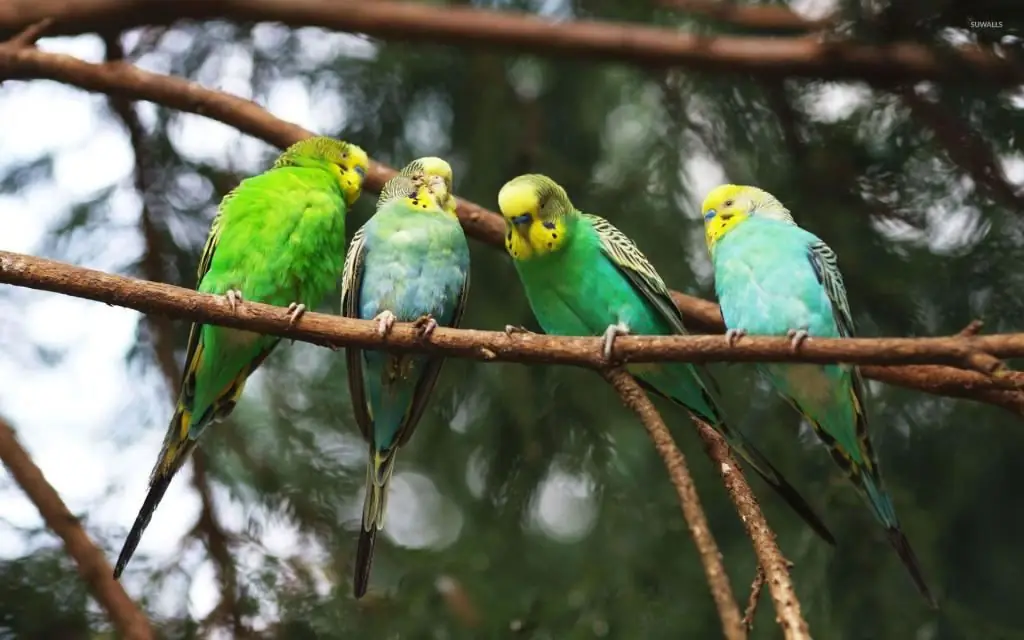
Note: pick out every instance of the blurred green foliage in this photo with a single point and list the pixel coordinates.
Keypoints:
(923, 250)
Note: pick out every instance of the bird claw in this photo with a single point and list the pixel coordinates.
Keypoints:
(385, 321)
(732, 335)
(234, 297)
(511, 329)
(426, 324)
(613, 331)
(797, 337)
(295, 311)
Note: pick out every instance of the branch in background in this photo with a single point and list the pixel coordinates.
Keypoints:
(675, 463)
(769, 556)
(486, 29)
(151, 266)
(964, 147)
(769, 17)
(96, 572)
(486, 226)
(980, 353)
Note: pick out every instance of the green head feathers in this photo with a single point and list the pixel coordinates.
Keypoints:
(347, 162)
(537, 213)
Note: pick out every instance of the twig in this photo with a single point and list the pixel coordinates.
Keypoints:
(635, 398)
(490, 30)
(331, 330)
(702, 316)
(30, 34)
(126, 617)
(755, 595)
(769, 556)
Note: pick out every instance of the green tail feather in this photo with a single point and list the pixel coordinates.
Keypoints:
(378, 473)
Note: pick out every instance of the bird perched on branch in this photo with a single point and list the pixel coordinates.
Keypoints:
(408, 263)
(584, 277)
(774, 278)
(277, 238)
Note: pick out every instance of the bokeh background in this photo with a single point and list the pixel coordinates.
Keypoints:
(530, 503)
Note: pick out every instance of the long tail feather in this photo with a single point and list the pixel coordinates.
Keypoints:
(906, 554)
(378, 472)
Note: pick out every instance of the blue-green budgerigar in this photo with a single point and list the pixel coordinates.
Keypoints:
(774, 278)
(584, 277)
(408, 263)
(277, 238)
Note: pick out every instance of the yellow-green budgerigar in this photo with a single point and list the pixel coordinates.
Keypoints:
(584, 277)
(408, 263)
(774, 278)
(277, 238)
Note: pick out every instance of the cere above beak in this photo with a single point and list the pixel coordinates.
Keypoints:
(521, 219)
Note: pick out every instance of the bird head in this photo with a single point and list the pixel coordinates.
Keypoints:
(538, 215)
(347, 162)
(425, 181)
(730, 204)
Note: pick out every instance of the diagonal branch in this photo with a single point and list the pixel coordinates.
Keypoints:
(964, 147)
(769, 556)
(675, 463)
(126, 617)
(488, 29)
(486, 226)
(979, 352)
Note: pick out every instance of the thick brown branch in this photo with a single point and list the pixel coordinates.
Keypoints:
(675, 463)
(965, 148)
(771, 17)
(336, 331)
(470, 27)
(769, 556)
(486, 226)
(92, 565)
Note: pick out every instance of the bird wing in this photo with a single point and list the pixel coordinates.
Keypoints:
(351, 284)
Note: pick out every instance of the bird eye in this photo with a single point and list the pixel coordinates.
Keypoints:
(728, 203)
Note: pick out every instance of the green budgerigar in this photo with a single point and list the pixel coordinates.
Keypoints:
(277, 238)
(408, 263)
(584, 277)
(774, 278)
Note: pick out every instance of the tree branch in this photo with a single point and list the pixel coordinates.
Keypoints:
(486, 226)
(92, 565)
(964, 147)
(769, 17)
(769, 556)
(675, 463)
(481, 28)
(978, 352)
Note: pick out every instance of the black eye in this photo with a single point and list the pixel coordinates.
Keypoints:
(728, 203)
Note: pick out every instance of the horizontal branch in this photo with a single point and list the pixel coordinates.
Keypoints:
(482, 28)
(773, 17)
(979, 352)
(484, 225)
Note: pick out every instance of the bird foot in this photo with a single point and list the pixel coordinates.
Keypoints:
(613, 331)
(732, 335)
(234, 297)
(385, 321)
(295, 311)
(426, 324)
(513, 328)
(797, 337)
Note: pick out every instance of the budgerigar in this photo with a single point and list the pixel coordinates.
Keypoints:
(584, 277)
(277, 238)
(408, 263)
(774, 278)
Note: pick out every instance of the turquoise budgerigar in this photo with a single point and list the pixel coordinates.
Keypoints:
(774, 278)
(408, 263)
(584, 277)
(277, 238)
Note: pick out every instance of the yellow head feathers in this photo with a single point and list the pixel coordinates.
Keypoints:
(348, 162)
(424, 175)
(730, 204)
(537, 213)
